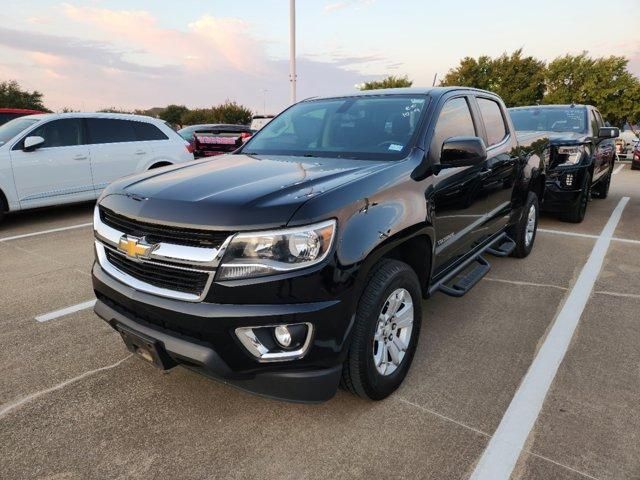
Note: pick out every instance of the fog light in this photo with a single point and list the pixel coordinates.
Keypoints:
(568, 179)
(283, 336)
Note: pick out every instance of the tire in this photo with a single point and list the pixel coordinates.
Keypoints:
(576, 215)
(601, 190)
(4, 208)
(158, 165)
(361, 373)
(524, 232)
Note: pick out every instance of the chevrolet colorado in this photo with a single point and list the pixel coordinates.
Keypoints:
(301, 260)
(582, 155)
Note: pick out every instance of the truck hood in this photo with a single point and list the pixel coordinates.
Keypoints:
(232, 192)
(557, 138)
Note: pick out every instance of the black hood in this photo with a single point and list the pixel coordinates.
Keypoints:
(232, 192)
(558, 138)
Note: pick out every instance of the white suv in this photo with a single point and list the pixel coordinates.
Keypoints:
(53, 159)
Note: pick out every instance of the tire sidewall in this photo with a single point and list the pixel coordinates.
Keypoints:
(383, 385)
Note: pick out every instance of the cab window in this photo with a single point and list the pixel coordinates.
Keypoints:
(493, 121)
(455, 120)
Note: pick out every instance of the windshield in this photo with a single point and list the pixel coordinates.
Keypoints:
(373, 128)
(13, 128)
(544, 119)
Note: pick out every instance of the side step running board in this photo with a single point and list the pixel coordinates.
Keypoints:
(457, 285)
(504, 249)
(465, 283)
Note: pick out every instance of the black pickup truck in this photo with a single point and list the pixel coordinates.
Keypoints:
(582, 155)
(301, 260)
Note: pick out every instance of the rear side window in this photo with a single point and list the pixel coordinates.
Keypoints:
(108, 130)
(454, 121)
(147, 131)
(59, 133)
(493, 121)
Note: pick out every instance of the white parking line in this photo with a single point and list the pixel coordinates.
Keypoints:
(7, 408)
(45, 317)
(500, 457)
(617, 170)
(44, 232)
(586, 235)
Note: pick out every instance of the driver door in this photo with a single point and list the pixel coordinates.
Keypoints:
(59, 171)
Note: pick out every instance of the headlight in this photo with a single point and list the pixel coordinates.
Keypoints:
(257, 254)
(572, 155)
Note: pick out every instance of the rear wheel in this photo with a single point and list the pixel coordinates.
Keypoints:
(576, 215)
(524, 232)
(385, 333)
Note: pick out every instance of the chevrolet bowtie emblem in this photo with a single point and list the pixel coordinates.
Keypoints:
(135, 247)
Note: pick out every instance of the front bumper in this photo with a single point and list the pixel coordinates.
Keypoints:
(200, 336)
(560, 197)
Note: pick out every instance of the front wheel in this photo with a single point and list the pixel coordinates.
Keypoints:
(524, 232)
(576, 215)
(385, 333)
(601, 190)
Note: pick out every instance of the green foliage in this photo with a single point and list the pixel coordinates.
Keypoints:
(603, 82)
(517, 79)
(389, 82)
(114, 110)
(173, 114)
(228, 112)
(12, 96)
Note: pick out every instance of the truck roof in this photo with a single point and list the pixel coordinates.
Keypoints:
(434, 91)
(571, 105)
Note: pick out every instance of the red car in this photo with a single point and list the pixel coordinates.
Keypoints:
(211, 140)
(635, 158)
(7, 114)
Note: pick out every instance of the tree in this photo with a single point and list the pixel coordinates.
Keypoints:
(519, 80)
(233, 113)
(173, 114)
(12, 96)
(389, 82)
(228, 112)
(114, 110)
(604, 82)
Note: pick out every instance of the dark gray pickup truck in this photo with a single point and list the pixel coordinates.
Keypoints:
(582, 154)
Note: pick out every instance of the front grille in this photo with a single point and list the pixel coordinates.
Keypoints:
(163, 234)
(169, 278)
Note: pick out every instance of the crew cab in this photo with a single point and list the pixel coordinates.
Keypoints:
(582, 155)
(55, 159)
(300, 261)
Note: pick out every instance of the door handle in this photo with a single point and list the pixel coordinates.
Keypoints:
(80, 157)
(141, 152)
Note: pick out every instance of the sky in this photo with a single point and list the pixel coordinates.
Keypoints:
(130, 54)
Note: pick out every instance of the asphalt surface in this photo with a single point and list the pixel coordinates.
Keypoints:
(74, 404)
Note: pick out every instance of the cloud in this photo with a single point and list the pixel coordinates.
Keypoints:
(131, 61)
(333, 7)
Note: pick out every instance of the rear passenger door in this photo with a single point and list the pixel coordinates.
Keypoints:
(115, 150)
(498, 174)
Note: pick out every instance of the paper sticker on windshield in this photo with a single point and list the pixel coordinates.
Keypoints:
(395, 147)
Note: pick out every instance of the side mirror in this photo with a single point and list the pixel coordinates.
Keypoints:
(462, 152)
(608, 132)
(32, 143)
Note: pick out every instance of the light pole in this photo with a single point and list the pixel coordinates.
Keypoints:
(264, 101)
(292, 49)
